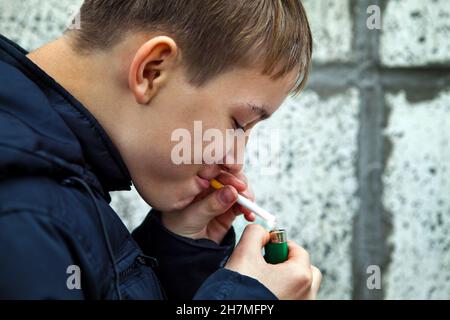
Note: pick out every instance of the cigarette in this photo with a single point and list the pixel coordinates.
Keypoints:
(266, 215)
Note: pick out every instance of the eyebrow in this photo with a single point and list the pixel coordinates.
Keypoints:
(259, 110)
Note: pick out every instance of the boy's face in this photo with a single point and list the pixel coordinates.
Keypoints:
(147, 146)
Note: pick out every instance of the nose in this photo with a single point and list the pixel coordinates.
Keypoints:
(232, 168)
(231, 164)
(233, 161)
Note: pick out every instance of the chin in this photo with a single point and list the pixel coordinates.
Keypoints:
(181, 204)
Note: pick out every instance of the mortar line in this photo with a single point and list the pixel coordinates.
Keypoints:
(368, 241)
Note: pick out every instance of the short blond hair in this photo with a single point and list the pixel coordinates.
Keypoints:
(213, 35)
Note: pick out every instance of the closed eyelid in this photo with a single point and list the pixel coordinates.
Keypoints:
(259, 110)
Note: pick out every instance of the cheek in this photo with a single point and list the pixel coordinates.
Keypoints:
(161, 183)
(156, 165)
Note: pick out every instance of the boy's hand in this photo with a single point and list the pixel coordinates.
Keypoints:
(212, 213)
(295, 279)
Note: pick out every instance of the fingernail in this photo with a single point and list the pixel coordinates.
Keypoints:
(226, 195)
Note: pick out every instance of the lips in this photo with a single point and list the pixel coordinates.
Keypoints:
(203, 183)
(209, 173)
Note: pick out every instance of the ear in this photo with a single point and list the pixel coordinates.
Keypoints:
(151, 67)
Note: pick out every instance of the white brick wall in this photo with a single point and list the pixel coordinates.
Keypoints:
(332, 29)
(416, 33)
(417, 185)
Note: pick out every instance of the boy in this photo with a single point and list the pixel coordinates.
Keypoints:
(95, 109)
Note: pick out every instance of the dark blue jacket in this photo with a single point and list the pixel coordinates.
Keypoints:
(57, 167)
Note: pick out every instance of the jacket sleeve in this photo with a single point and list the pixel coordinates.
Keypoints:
(183, 263)
(190, 268)
(225, 284)
(35, 259)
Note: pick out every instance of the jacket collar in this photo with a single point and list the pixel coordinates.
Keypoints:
(99, 154)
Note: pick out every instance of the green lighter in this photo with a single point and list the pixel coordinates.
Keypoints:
(276, 250)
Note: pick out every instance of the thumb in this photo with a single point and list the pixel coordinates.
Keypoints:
(212, 206)
(253, 239)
